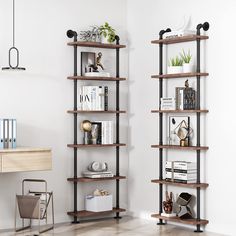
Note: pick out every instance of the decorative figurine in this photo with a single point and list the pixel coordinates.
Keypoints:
(86, 126)
(183, 201)
(168, 203)
(168, 206)
(97, 63)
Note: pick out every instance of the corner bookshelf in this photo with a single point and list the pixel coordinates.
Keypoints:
(78, 214)
(198, 222)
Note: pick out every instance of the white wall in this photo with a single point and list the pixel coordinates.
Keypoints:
(145, 20)
(39, 97)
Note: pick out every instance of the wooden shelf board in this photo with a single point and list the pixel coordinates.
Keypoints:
(84, 213)
(179, 75)
(95, 45)
(190, 185)
(182, 39)
(181, 221)
(179, 147)
(179, 111)
(88, 180)
(85, 111)
(98, 78)
(96, 145)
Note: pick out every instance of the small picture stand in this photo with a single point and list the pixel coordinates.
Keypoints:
(34, 206)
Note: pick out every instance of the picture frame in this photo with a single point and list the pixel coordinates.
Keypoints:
(87, 59)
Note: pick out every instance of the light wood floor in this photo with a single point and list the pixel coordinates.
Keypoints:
(127, 226)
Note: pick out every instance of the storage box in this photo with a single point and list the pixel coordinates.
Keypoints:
(98, 203)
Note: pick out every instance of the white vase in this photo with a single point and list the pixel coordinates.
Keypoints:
(105, 40)
(187, 68)
(174, 69)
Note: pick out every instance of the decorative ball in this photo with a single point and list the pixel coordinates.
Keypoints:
(86, 126)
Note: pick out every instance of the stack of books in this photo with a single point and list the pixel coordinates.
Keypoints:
(7, 133)
(93, 98)
(181, 171)
(97, 175)
(185, 98)
(168, 103)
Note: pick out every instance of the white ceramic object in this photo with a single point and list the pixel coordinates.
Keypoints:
(98, 203)
(105, 40)
(174, 69)
(187, 68)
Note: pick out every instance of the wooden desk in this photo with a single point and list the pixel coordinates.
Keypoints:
(25, 159)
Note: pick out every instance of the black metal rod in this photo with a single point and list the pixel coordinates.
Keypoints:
(198, 153)
(160, 129)
(117, 127)
(75, 128)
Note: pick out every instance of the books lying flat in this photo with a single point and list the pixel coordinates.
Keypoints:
(184, 165)
(97, 175)
(168, 104)
(184, 176)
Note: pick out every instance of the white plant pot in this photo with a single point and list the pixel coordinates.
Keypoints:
(105, 40)
(187, 68)
(174, 69)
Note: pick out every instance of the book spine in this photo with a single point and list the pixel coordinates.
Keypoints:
(100, 99)
(1, 134)
(93, 98)
(106, 98)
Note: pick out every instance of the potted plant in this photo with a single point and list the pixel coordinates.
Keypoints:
(186, 57)
(175, 65)
(107, 33)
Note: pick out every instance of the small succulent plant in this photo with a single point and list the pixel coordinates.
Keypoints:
(186, 57)
(176, 61)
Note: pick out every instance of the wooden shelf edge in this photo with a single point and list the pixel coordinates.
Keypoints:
(179, 75)
(98, 78)
(88, 111)
(88, 180)
(90, 213)
(179, 111)
(187, 38)
(203, 148)
(189, 185)
(95, 45)
(95, 145)
(181, 221)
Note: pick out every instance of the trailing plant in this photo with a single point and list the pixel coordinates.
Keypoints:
(107, 32)
(176, 61)
(186, 57)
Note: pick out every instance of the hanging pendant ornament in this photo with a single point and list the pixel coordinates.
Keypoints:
(13, 49)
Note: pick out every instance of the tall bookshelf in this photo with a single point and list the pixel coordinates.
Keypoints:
(198, 222)
(78, 214)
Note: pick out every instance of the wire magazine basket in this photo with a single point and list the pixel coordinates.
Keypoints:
(34, 206)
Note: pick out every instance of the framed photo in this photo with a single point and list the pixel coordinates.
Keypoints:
(87, 59)
(175, 124)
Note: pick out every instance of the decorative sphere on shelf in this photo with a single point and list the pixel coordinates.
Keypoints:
(86, 126)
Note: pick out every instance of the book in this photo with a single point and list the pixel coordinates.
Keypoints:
(184, 165)
(1, 134)
(184, 176)
(168, 103)
(103, 174)
(92, 98)
(106, 132)
(169, 176)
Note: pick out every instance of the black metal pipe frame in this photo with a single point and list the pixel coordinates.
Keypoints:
(161, 125)
(205, 27)
(75, 129)
(117, 127)
(73, 34)
(198, 153)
